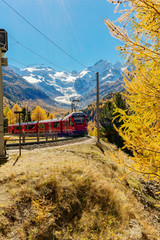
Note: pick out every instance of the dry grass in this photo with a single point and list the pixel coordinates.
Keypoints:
(72, 192)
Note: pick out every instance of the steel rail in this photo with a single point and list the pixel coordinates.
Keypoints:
(9, 145)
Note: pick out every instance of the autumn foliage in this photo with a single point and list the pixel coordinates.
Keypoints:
(12, 117)
(138, 28)
(37, 114)
(92, 129)
(51, 116)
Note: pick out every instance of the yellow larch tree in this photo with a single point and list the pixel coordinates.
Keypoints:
(139, 28)
(38, 114)
(6, 110)
(51, 116)
(92, 129)
(10, 117)
(15, 117)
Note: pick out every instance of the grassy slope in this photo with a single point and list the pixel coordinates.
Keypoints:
(74, 192)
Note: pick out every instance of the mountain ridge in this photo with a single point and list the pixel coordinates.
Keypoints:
(60, 88)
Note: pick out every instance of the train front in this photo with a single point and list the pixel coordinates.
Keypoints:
(79, 120)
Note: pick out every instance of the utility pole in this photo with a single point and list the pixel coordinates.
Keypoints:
(98, 137)
(3, 62)
(27, 120)
(2, 153)
(19, 113)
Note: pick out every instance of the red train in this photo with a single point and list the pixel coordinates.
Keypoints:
(73, 124)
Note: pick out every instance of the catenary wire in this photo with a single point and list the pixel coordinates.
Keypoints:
(18, 61)
(24, 64)
(55, 65)
(55, 44)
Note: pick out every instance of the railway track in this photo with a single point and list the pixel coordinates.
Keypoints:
(48, 143)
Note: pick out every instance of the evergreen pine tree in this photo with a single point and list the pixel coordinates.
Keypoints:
(24, 114)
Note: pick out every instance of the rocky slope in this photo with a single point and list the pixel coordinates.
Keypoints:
(16, 88)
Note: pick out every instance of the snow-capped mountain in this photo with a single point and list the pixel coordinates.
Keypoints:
(57, 85)
(63, 87)
(16, 86)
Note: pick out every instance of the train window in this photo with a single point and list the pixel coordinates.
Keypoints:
(70, 122)
(78, 120)
(41, 126)
(56, 124)
(66, 123)
(31, 126)
(17, 127)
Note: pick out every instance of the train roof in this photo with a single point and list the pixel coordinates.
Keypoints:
(42, 121)
(50, 120)
(22, 123)
(29, 123)
(74, 114)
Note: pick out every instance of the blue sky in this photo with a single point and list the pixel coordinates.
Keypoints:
(77, 26)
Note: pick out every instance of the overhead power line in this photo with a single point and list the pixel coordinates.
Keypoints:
(24, 64)
(55, 44)
(36, 53)
(18, 61)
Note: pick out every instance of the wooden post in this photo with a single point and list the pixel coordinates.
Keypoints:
(98, 135)
(23, 137)
(46, 136)
(2, 151)
(19, 135)
(27, 120)
(3, 62)
(37, 136)
(3, 155)
(19, 113)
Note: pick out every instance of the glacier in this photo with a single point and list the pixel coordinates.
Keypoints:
(63, 87)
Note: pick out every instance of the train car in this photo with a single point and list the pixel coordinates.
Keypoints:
(75, 124)
(50, 126)
(31, 126)
(14, 128)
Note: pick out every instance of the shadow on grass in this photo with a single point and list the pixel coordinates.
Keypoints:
(16, 160)
(116, 139)
(4, 159)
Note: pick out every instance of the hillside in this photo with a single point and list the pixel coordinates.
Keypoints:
(75, 192)
(90, 110)
(17, 89)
